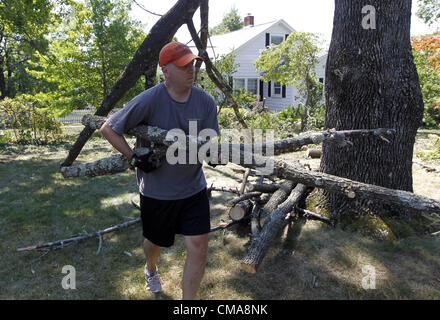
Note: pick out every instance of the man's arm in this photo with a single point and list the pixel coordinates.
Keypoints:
(116, 140)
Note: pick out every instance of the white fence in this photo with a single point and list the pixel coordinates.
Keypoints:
(74, 117)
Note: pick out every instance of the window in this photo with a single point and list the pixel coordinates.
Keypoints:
(277, 89)
(274, 39)
(238, 84)
(252, 85)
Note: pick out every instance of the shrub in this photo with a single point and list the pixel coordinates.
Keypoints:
(25, 123)
(263, 120)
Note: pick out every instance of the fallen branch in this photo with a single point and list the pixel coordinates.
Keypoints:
(347, 187)
(248, 195)
(114, 164)
(65, 242)
(158, 137)
(59, 244)
(244, 182)
(314, 216)
(222, 189)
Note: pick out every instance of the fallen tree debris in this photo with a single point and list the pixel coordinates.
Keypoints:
(276, 222)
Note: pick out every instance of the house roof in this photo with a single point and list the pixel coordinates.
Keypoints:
(224, 43)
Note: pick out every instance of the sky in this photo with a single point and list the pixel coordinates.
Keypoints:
(303, 15)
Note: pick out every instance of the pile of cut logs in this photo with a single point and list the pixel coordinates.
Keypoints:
(267, 207)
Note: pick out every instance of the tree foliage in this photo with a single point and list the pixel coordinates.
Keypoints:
(23, 29)
(232, 21)
(293, 62)
(88, 51)
(226, 65)
(429, 11)
(426, 51)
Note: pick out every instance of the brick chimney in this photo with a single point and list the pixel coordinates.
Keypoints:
(249, 20)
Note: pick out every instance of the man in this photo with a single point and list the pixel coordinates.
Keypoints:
(173, 198)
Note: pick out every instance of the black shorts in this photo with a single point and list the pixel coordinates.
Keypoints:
(163, 219)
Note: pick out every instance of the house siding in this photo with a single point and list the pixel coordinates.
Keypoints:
(247, 53)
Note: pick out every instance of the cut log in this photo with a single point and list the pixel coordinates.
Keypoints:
(314, 153)
(264, 187)
(114, 164)
(240, 210)
(274, 225)
(111, 165)
(278, 197)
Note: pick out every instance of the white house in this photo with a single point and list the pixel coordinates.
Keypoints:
(248, 43)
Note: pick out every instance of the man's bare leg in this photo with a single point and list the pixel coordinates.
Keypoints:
(152, 252)
(197, 249)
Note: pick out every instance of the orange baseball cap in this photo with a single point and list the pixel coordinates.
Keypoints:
(176, 53)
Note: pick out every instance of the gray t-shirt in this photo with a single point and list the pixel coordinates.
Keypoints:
(155, 107)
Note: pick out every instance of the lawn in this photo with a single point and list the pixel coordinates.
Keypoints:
(310, 261)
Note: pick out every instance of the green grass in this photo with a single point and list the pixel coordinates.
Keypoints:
(310, 260)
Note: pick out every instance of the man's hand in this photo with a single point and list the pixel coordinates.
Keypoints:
(146, 162)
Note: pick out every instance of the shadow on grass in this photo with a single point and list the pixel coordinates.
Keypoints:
(38, 205)
(324, 263)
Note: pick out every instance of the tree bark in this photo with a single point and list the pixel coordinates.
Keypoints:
(276, 199)
(371, 82)
(264, 187)
(145, 58)
(271, 230)
(204, 32)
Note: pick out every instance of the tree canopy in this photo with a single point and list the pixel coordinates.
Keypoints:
(429, 11)
(87, 52)
(232, 21)
(426, 51)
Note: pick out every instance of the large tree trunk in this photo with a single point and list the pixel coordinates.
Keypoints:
(372, 82)
(144, 62)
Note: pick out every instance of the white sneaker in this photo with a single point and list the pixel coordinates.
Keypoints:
(152, 281)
